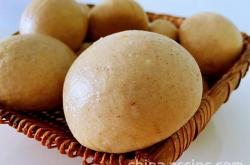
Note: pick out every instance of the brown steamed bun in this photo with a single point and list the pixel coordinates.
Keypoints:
(213, 40)
(113, 16)
(61, 19)
(32, 71)
(130, 90)
(165, 28)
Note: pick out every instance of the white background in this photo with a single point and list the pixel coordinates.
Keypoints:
(225, 139)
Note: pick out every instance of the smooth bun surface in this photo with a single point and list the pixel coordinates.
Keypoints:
(32, 71)
(113, 16)
(61, 19)
(130, 90)
(165, 28)
(213, 40)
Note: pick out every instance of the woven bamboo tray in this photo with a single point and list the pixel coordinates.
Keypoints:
(51, 130)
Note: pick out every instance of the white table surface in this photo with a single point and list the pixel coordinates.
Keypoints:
(226, 139)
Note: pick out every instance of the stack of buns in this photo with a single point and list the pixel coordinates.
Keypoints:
(132, 84)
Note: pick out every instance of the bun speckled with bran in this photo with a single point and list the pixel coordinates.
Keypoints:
(128, 91)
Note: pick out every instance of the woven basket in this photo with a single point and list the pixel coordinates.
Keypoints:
(52, 131)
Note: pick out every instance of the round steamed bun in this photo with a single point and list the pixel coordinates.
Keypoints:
(32, 71)
(130, 90)
(62, 19)
(213, 40)
(165, 28)
(113, 16)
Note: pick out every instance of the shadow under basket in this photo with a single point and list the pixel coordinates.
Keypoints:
(51, 130)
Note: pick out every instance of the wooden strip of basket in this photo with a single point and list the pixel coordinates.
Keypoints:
(51, 129)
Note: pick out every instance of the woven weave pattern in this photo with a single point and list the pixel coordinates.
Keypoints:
(51, 129)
